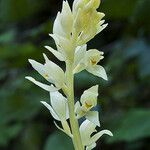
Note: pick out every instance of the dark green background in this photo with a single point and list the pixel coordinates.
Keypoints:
(123, 101)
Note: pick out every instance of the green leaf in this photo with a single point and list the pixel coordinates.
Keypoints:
(58, 141)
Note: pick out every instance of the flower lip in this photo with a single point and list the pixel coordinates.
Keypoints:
(93, 61)
(88, 106)
(46, 76)
(94, 56)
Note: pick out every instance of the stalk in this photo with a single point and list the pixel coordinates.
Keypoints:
(70, 95)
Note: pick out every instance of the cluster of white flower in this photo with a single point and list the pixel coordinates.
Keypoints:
(71, 31)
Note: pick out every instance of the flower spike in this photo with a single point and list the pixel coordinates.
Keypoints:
(71, 32)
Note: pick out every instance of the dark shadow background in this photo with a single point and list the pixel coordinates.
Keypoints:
(123, 101)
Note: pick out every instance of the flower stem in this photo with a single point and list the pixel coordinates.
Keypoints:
(70, 95)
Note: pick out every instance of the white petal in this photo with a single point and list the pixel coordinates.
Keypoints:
(101, 15)
(86, 129)
(57, 27)
(75, 5)
(90, 96)
(80, 67)
(93, 89)
(59, 127)
(99, 134)
(68, 133)
(66, 18)
(62, 43)
(43, 86)
(37, 66)
(66, 127)
(40, 68)
(98, 71)
(90, 147)
(59, 104)
(79, 54)
(56, 53)
(59, 47)
(51, 110)
(87, 36)
(93, 116)
(79, 63)
(78, 110)
(54, 71)
(101, 22)
(100, 28)
(77, 106)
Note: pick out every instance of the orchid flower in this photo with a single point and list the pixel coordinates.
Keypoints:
(83, 11)
(87, 128)
(89, 60)
(88, 101)
(59, 110)
(51, 72)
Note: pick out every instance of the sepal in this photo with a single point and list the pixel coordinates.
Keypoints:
(42, 85)
(89, 62)
(59, 106)
(66, 128)
(89, 140)
(93, 116)
(56, 53)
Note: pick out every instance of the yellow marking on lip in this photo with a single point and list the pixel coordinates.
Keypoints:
(94, 62)
(88, 105)
(46, 76)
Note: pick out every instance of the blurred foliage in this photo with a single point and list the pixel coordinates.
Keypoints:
(124, 99)
(63, 140)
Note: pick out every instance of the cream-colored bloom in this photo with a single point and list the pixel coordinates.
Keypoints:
(59, 110)
(50, 71)
(83, 11)
(86, 129)
(75, 26)
(88, 101)
(64, 46)
(88, 60)
(58, 54)
(64, 22)
(86, 3)
(89, 98)
(62, 32)
(58, 107)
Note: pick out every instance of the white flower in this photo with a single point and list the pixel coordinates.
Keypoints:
(58, 107)
(75, 26)
(88, 60)
(64, 22)
(64, 46)
(62, 32)
(56, 53)
(59, 110)
(86, 129)
(89, 3)
(51, 72)
(88, 101)
(84, 11)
